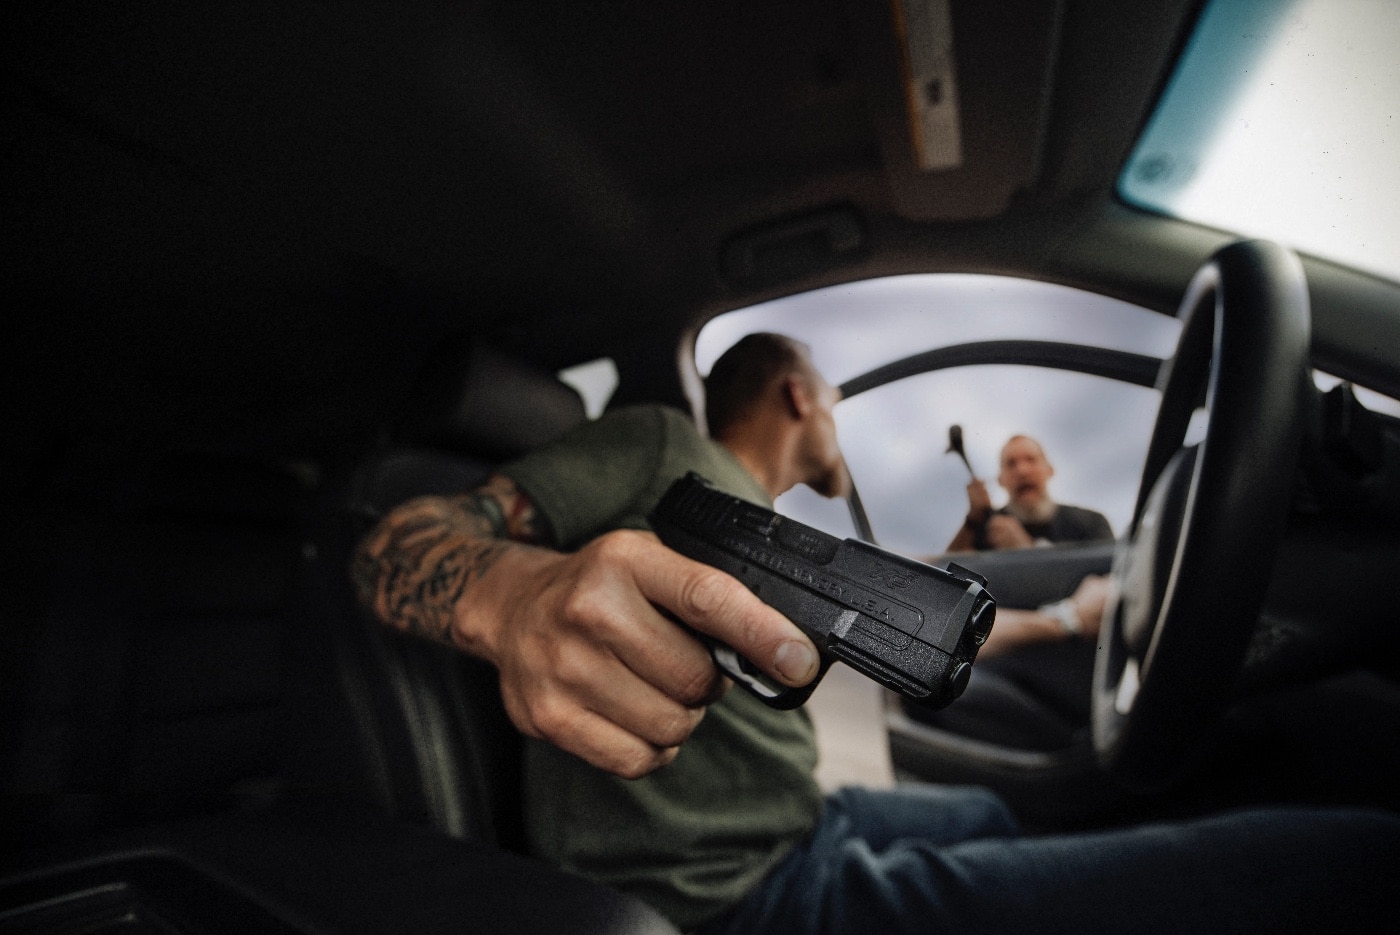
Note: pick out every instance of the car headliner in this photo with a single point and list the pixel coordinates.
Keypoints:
(247, 223)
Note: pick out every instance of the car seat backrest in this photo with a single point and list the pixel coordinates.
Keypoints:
(476, 401)
(451, 756)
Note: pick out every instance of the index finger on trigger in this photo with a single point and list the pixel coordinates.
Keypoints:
(719, 605)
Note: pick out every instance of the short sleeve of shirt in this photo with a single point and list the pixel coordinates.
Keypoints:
(608, 474)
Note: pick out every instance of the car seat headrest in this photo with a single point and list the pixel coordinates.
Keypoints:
(476, 399)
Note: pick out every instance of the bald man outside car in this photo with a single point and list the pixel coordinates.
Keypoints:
(1030, 516)
(1037, 690)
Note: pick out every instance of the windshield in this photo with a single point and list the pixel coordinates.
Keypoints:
(1283, 121)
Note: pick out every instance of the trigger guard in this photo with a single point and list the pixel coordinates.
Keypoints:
(770, 693)
(729, 661)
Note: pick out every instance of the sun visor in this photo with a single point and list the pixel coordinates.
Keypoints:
(960, 105)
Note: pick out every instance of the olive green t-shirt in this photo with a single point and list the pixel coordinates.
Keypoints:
(695, 836)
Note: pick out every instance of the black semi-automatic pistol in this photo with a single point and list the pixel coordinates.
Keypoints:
(911, 627)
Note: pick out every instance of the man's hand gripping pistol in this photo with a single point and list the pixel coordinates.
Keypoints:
(911, 627)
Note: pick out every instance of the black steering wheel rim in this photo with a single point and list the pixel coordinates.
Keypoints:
(1191, 571)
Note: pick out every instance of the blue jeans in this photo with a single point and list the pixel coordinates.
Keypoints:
(951, 859)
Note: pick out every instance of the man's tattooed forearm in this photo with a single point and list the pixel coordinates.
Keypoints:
(415, 566)
(416, 591)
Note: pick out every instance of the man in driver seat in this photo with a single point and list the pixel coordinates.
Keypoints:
(642, 772)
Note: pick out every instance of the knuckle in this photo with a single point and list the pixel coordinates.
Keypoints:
(583, 609)
(576, 670)
(633, 766)
(526, 715)
(552, 720)
(642, 761)
(706, 594)
(620, 545)
(700, 686)
(675, 729)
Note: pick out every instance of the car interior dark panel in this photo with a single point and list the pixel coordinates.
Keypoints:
(306, 871)
(276, 269)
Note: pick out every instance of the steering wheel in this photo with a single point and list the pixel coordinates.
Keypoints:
(1191, 571)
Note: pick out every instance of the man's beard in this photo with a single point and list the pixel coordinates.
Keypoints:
(1041, 512)
(832, 481)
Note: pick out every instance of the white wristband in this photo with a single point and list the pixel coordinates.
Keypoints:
(1065, 614)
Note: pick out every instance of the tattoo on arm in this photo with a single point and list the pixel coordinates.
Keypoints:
(507, 511)
(413, 568)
